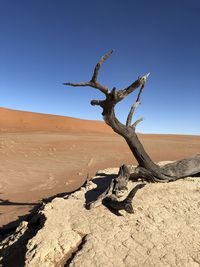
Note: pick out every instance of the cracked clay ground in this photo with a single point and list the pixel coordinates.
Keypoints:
(163, 231)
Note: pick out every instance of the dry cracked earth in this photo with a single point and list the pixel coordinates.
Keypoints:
(163, 231)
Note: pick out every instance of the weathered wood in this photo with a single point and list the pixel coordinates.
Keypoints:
(98, 201)
(134, 106)
(147, 169)
(183, 168)
(121, 181)
(126, 204)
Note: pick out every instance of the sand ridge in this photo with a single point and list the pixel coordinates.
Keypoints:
(12, 121)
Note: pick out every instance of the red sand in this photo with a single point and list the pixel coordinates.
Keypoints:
(12, 121)
(42, 155)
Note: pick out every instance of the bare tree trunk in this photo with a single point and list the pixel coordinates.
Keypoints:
(147, 169)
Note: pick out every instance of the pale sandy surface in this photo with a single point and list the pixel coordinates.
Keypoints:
(163, 231)
(37, 164)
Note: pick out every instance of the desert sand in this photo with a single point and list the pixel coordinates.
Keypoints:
(44, 155)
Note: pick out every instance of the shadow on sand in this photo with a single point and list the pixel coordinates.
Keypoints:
(102, 183)
(10, 227)
(6, 202)
(15, 255)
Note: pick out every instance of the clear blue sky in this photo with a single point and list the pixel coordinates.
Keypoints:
(44, 43)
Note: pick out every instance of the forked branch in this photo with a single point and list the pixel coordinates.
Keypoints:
(93, 82)
(134, 106)
(149, 170)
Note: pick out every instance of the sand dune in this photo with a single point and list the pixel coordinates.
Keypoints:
(21, 121)
(43, 155)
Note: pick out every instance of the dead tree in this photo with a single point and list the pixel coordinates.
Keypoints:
(147, 170)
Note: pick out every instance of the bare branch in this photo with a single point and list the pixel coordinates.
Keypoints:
(78, 84)
(136, 122)
(130, 115)
(139, 82)
(93, 82)
(98, 65)
(99, 86)
(96, 85)
(144, 78)
(134, 106)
